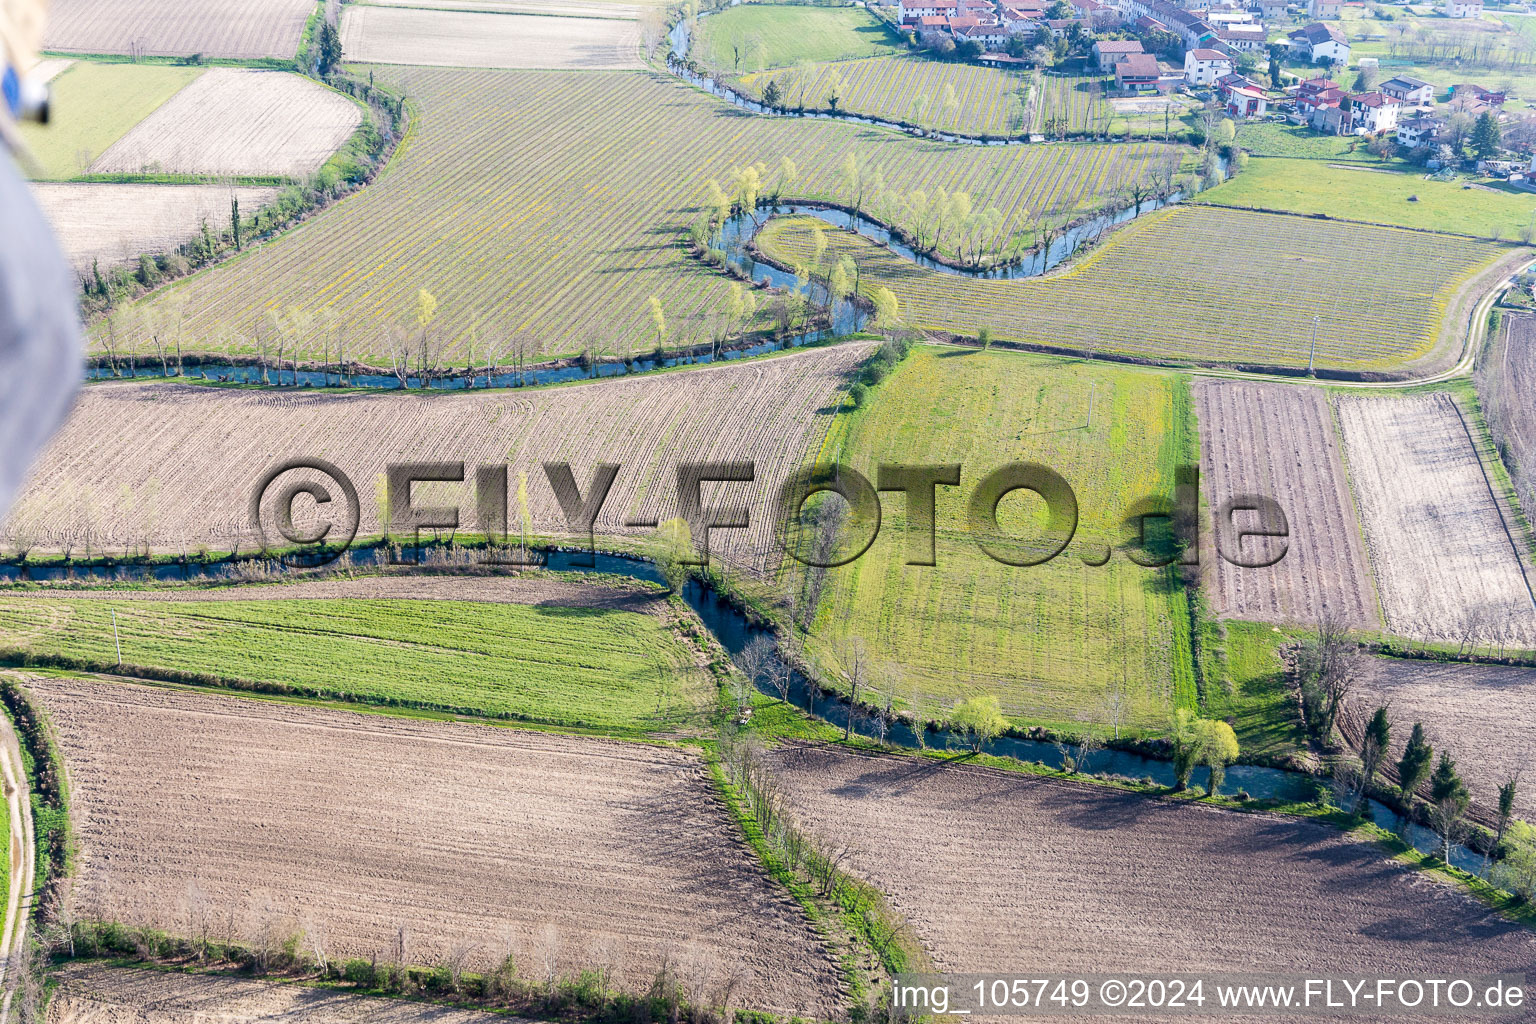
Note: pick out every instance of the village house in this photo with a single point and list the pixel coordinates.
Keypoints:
(1320, 44)
(1242, 96)
(1243, 37)
(988, 37)
(911, 10)
(1204, 67)
(1190, 27)
(1319, 10)
(1137, 72)
(1106, 52)
(1412, 93)
(1274, 10)
(1463, 8)
(1373, 113)
(1330, 120)
(1018, 22)
(1418, 132)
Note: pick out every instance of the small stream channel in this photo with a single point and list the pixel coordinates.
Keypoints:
(735, 632)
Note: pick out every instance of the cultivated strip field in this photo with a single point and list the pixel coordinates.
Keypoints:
(1481, 713)
(559, 8)
(125, 447)
(1068, 875)
(1263, 314)
(216, 28)
(586, 852)
(567, 226)
(1446, 564)
(1505, 382)
(402, 35)
(234, 121)
(1046, 640)
(117, 223)
(775, 35)
(583, 666)
(1278, 441)
(94, 105)
(92, 993)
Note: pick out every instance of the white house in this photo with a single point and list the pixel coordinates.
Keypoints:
(911, 10)
(1243, 37)
(1320, 44)
(1418, 132)
(1413, 93)
(1463, 8)
(1203, 67)
(1372, 113)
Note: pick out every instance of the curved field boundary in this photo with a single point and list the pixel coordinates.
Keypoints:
(572, 852)
(1172, 286)
(565, 228)
(22, 858)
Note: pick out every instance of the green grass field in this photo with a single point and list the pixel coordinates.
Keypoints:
(1380, 196)
(1249, 690)
(566, 227)
(94, 105)
(1271, 138)
(753, 37)
(1046, 640)
(964, 98)
(557, 665)
(1195, 283)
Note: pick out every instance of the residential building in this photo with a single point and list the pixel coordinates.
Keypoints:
(1463, 8)
(1244, 101)
(1320, 44)
(911, 10)
(1373, 113)
(989, 37)
(1330, 120)
(1319, 10)
(1418, 132)
(1018, 22)
(1274, 10)
(1106, 52)
(1243, 37)
(1413, 93)
(1204, 67)
(1137, 72)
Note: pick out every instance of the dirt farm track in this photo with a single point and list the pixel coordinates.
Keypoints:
(265, 818)
(998, 871)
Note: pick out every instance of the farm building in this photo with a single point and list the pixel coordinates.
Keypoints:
(1463, 8)
(1204, 67)
(1107, 52)
(1137, 72)
(1320, 44)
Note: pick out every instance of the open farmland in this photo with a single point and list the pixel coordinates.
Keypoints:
(584, 852)
(1066, 875)
(1256, 311)
(93, 106)
(214, 28)
(986, 101)
(1443, 547)
(121, 456)
(117, 223)
(93, 993)
(1048, 640)
(477, 39)
(567, 226)
(752, 37)
(1377, 195)
(235, 121)
(574, 665)
(1506, 379)
(1278, 441)
(1482, 714)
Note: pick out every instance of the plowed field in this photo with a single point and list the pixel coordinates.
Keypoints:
(482, 39)
(213, 28)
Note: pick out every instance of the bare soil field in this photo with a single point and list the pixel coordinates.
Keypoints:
(1278, 441)
(477, 39)
(563, 8)
(1482, 714)
(93, 993)
(529, 590)
(176, 464)
(233, 121)
(1505, 381)
(1440, 541)
(996, 868)
(215, 28)
(566, 852)
(116, 223)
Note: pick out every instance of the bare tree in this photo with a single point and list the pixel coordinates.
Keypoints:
(855, 662)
